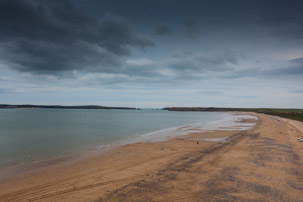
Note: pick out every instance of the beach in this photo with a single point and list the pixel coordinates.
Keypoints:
(259, 164)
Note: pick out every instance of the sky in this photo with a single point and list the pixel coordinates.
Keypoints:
(152, 54)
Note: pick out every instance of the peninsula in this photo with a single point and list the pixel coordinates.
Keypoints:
(7, 106)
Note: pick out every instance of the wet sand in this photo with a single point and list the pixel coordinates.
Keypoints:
(261, 164)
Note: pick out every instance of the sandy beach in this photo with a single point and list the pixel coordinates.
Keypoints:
(259, 164)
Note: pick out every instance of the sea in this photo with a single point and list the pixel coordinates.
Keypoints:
(31, 135)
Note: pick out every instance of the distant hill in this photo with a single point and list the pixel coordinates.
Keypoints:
(6, 106)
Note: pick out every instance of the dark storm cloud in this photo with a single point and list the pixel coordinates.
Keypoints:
(163, 29)
(185, 66)
(280, 19)
(191, 28)
(295, 67)
(292, 67)
(283, 25)
(198, 15)
(203, 63)
(54, 36)
(297, 61)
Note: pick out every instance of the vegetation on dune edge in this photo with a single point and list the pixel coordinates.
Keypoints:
(295, 114)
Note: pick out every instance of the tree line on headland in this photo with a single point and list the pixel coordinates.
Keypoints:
(61, 107)
(296, 114)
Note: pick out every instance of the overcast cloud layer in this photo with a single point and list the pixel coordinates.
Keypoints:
(152, 53)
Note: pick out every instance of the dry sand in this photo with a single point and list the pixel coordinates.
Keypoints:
(261, 164)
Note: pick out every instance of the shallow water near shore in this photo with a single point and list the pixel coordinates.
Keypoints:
(28, 135)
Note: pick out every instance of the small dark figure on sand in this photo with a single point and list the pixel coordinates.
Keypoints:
(197, 142)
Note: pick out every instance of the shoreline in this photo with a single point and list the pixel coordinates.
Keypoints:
(260, 163)
(231, 122)
(60, 132)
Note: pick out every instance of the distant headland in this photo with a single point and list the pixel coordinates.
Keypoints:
(7, 106)
(296, 114)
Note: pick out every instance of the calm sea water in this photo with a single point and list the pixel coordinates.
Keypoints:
(34, 134)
